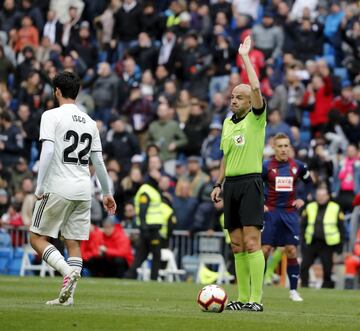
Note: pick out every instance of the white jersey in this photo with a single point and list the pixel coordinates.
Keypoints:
(75, 136)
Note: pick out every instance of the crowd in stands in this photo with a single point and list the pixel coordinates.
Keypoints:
(157, 77)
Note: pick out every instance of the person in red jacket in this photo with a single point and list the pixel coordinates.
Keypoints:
(352, 264)
(116, 252)
(90, 249)
(319, 98)
(107, 253)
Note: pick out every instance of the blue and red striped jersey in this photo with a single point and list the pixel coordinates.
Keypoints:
(280, 180)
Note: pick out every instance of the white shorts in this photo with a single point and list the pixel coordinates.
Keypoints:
(54, 214)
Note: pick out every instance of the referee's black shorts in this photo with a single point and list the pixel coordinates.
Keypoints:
(243, 201)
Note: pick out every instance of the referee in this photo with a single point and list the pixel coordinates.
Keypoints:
(242, 142)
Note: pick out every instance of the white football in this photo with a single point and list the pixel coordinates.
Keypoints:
(212, 298)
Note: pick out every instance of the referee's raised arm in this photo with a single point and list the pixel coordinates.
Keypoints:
(255, 95)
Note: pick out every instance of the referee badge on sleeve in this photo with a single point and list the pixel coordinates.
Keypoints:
(239, 140)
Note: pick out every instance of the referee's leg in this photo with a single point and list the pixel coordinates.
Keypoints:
(252, 240)
(241, 265)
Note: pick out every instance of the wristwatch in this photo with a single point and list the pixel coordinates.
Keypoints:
(217, 185)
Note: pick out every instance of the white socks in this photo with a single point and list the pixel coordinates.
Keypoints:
(53, 257)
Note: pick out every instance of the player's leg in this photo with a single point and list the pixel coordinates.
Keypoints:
(75, 228)
(47, 218)
(266, 245)
(293, 272)
(271, 265)
(290, 232)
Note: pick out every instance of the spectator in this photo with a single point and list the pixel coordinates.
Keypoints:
(9, 16)
(349, 176)
(104, 92)
(130, 76)
(4, 202)
(31, 91)
(53, 29)
(6, 67)
(19, 173)
(29, 123)
(121, 144)
(352, 127)
(11, 141)
(195, 176)
(71, 27)
(84, 47)
(166, 134)
(28, 35)
(184, 205)
(319, 97)
(223, 60)
(276, 124)
(195, 60)
(144, 52)
(268, 38)
(116, 253)
(169, 50)
(210, 149)
(196, 128)
(127, 25)
(31, 8)
(345, 101)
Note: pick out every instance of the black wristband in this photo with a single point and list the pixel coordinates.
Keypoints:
(217, 185)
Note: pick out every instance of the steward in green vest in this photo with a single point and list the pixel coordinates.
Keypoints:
(322, 234)
(150, 220)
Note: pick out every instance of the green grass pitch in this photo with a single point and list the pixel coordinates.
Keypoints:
(111, 304)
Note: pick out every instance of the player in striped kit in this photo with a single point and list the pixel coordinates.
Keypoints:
(281, 219)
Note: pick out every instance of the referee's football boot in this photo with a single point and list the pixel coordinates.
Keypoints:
(69, 282)
(234, 305)
(253, 306)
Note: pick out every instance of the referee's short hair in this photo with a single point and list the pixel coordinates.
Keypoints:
(281, 135)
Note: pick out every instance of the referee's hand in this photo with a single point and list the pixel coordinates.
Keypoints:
(215, 194)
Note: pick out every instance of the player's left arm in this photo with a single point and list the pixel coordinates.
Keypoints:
(47, 153)
(304, 175)
(257, 100)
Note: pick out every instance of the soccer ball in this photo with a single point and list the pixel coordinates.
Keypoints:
(212, 298)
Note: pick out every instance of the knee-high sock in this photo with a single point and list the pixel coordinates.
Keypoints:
(76, 263)
(242, 276)
(54, 258)
(293, 271)
(272, 264)
(256, 267)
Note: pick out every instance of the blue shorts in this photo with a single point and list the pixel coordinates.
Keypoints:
(281, 228)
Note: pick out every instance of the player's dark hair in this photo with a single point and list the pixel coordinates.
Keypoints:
(68, 83)
(281, 135)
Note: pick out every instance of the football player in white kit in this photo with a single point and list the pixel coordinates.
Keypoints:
(70, 139)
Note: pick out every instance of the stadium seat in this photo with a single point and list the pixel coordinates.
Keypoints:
(209, 254)
(170, 273)
(6, 254)
(15, 263)
(342, 74)
(26, 264)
